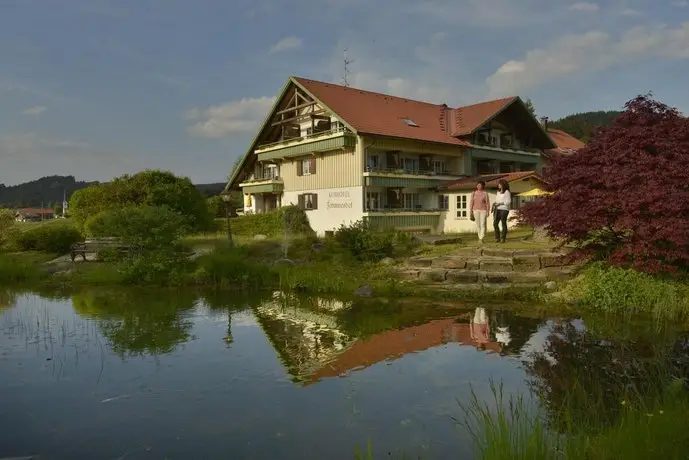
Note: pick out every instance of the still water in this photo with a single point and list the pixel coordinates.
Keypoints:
(154, 375)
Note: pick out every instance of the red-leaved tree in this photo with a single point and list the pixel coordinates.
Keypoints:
(625, 196)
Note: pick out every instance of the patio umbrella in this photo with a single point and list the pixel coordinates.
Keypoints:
(535, 192)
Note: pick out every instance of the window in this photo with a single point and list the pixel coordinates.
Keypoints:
(373, 162)
(494, 141)
(372, 200)
(516, 202)
(306, 167)
(443, 202)
(409, 122)
(271, 171)
(308, 201)
(411, 200)
(411, 164)
(462, 208)
(485, 167)
(439, 166)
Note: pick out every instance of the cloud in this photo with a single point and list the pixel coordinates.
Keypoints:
(286, 44)
(591, 51)
(630, 12)
(9, 86)
(681, 3)
(584, 6)
(35, 111)
(239, 116)
(26, 156)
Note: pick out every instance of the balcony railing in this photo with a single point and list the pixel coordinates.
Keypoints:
(308, 137)
(388, 209)
(412, 171)
(267, 178)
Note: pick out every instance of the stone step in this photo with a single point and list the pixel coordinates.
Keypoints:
(469, 276)
(493, 263)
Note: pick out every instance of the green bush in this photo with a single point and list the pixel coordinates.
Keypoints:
(617, 290)
(149, 227)
(290, 218)
(54, 237)
(231, 267)
(8, 229)
(365, 243)
(16, 270)
(159, 268)
(147, 188)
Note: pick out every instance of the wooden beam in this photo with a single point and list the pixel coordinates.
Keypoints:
(297, 107)
(287, 120)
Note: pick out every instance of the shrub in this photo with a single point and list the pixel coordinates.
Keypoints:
(8, 229)
(147, 188)
(643, 155)
(54, 237)
(161, 268)
(290, 218)
(618, 290)
(149, 227)
(371, 245)
(230, 267)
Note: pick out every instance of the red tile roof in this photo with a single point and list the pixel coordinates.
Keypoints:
(27, 211)
(375, 113)
(565, 142)
(490, 179)
(471, 117)
(392, 345)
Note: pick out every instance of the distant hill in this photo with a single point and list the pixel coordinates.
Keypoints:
(48, 191)
(583, 125)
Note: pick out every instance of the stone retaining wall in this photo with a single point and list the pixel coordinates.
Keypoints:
(490, 266)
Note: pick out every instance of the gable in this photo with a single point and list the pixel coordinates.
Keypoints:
(294, 113)
(510, 116)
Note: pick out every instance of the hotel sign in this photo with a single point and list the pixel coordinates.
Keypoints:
(339, 200)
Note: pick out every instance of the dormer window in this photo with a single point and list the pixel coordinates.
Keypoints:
(410, 122)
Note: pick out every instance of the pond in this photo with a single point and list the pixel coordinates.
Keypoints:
(130, 374)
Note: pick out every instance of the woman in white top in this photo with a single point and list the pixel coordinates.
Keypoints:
(503, 199)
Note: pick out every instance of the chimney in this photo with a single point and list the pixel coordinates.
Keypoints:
(544, 122)
(443, 118)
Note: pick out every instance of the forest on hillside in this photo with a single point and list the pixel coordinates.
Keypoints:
(583, 125)
(49, 191)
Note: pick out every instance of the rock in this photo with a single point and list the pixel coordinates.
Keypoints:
(550, 285)
(436, 276)
(260, 237)
(450, 262)
(462, 276)
(364, 291)
(387, 261)
(417, 251)
(420, 262)
(284, 262)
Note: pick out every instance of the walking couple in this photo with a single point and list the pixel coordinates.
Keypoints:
(479, 208)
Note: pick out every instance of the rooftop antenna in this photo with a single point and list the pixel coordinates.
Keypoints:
(347, 61)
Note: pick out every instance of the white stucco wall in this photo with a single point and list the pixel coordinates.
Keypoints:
(450, 223)
(336, 206)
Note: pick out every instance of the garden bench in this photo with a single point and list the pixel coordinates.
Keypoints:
(96, 245)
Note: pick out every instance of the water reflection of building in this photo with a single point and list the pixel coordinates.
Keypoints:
(304, 332)
(391, 345)
(312, 347)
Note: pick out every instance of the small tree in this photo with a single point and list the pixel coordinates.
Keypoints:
(530, 107)
(624, 197)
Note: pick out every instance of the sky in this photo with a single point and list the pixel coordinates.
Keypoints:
(100, 88)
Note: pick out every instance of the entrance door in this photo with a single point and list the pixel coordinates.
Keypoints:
(270, 202)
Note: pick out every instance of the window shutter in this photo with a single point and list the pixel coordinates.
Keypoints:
(314, 200)
(300, 169)
(313, 166)
(300, 201)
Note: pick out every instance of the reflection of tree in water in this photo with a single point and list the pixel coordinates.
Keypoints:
(232, 302)
(139, 322)
(585, 378)
(7, 299)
